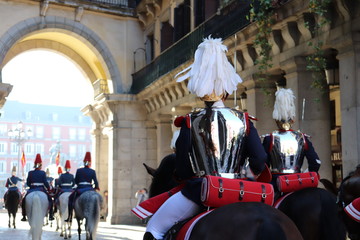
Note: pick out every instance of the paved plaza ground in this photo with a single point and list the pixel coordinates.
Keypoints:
(105, 230)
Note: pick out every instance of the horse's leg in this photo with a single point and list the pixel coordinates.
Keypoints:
(9, 219)
(14, 217)
(79, 227)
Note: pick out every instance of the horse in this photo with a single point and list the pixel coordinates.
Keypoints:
(316, 214)
(88, 206)
(62, 214)
(349, 190)
(37, 205)
(313, 210)
(12, 205)
(242, 220)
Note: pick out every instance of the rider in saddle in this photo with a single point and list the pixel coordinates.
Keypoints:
(84, 179)
(65, 182)
(287, 148)
(37, 181)
(11, 184)
(216, 137)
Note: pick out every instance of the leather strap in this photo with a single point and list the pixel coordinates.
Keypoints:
(221, 189)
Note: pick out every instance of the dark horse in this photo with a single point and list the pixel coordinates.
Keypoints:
(350, 190)
(313, 210)
(241, 221)
(12, 205)
(315, 213)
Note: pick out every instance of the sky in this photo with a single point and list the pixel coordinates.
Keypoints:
(45, 77)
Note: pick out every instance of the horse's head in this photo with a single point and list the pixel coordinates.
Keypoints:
(349, 191)
(163, 176)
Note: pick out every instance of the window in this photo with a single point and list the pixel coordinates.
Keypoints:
(29, 148)
(55, 117)
(72, 133)
(3, 130)
(27, 167)
(3, 148)
(56, 133)
(2, 166)
(14, 163)
(82, 149)
(39, 148)
(14, 148)
(82, 134)
(28, 115)
(72, 150)
(39, 132)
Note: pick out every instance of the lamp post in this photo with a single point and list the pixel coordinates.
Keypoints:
(19, 136)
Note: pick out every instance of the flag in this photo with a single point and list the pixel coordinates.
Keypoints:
(57, 159)
(23, 160)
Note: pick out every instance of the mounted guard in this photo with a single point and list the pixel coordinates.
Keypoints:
(214, 141)
(11, 185)
(287, 148)
(85, 178)
(37, 181)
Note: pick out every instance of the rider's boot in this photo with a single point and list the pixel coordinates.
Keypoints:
(23, 210)
(148, 236)
(51, 214)
(69, 214)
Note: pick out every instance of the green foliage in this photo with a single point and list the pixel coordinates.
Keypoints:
(316, 62)
(263, 16)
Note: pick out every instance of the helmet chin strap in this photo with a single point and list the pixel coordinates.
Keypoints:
(284, 125)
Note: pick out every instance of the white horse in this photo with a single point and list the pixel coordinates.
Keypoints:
(88, 206)
(37, 205)
(62, 214)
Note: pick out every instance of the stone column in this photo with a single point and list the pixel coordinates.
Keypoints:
(316, 119)
(164, 135)
(349, 73)
(259, 104)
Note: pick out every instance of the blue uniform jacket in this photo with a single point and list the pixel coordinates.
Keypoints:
(37, 181)
(85, 178)
(66, 182)
(252, 149)
(11, 183)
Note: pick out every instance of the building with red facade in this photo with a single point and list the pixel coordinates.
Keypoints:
(44, 129)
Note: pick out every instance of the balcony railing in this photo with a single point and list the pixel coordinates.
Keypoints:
(111, 3)
(219, 26)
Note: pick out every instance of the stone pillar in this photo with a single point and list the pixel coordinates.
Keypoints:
(259, 104)
(316, 119)
(349, 73)
(100, 155)
(164, 135)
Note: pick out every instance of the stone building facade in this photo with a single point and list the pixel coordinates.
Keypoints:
(131, 51)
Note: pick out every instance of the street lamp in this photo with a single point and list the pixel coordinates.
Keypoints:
(19, 136)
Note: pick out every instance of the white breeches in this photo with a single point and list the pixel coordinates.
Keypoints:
(175, 209)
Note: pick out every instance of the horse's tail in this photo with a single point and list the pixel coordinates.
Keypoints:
(36, 217)
(331, 224)
(93, 220)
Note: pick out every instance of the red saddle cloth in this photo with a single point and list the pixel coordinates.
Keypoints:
(148, 207)
(219, 191)
(296, 181)
(353, 210)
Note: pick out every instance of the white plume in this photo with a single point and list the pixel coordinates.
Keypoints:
(284, 107)
(210, 71)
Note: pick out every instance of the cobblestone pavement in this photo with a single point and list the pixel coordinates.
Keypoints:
(105, 231)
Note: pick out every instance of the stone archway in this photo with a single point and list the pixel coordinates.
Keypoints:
(47, 26)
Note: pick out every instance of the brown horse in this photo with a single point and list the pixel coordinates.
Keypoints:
(241, 221)
(350, 190)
